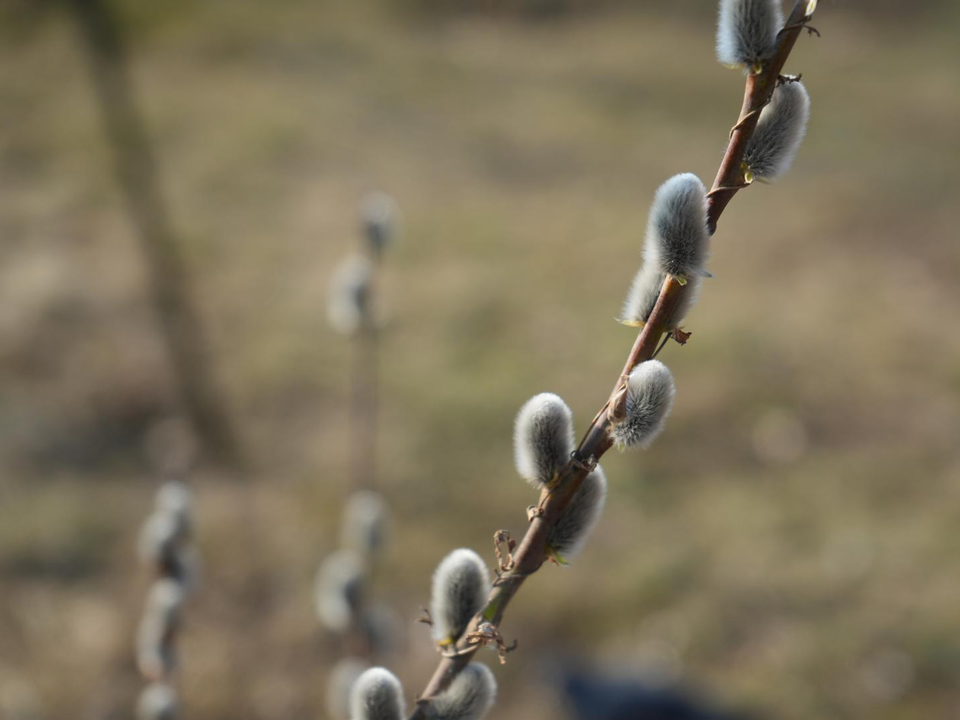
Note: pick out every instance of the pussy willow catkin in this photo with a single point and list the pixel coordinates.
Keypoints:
(542, 438)
(461, 584)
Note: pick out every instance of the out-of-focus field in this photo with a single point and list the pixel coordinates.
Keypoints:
(789, 547)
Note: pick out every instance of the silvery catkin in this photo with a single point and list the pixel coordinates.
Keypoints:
(779, 132)
(377, 695)
(461, 584)
(747, 32)
(470, 696)
(579, 518)
(650, 392)
(676, 244)
(542, 438)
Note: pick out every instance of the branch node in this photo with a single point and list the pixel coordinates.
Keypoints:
(488, 633)
(802, 25)
(586, 464)
(784, 79)
(505, 561)
(617, 411)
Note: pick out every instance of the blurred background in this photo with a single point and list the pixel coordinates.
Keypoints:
(788, 548)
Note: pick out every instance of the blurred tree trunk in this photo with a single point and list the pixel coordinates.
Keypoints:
(168, 276)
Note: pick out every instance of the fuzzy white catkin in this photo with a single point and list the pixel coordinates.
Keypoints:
(469, 697)
(169, 525)
(163, 546)
(340, 682)
(377, 695)
(542, 438)
(338, 589)
(461, 584)
(677, 236)
(379, 214)
(348, 305)
(676, 243)
(747, 31)
(157, 701)
(160, 537)
(580, 517)
(161, 617)
(650, 392)
(364, 522)
(174, 499)
(779, 132)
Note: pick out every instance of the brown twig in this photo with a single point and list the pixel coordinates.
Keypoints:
(531, 553)
(364, 405)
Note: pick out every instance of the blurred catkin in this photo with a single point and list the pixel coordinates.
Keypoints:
(377, 695)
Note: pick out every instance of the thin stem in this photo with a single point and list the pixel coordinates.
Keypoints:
(530, 554)
(365, 401)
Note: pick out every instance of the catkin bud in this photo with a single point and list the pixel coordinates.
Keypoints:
(779, 132)
(747, 32)
(340, 682)
(157, 701)
(579, 518)
(542, 438)
(161, 617)
(174, 499)
(348, 306)
(162, 545)
(650, 392)
(377, 695)
(461, 584)
(677, 237)
(364, 522)
(338, 590)
(379, 214)
(676, 244)
(470, 696)
(160, 539)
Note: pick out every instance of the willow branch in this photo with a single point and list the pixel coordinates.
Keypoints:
(531, 552)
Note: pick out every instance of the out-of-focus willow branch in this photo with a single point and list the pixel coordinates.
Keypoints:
(531, 553)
